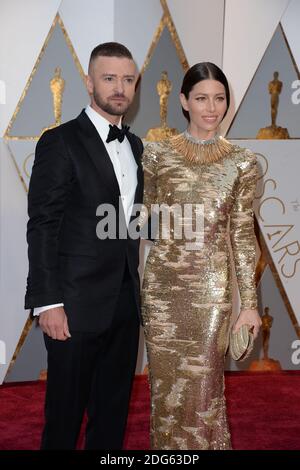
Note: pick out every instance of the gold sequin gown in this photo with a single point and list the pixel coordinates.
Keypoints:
(187, 294)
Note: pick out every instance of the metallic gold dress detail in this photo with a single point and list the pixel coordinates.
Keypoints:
(187, 294)
(201, 151)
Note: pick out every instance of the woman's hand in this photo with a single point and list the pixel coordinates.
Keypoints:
(248, 317)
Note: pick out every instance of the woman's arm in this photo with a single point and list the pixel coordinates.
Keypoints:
(243, 241)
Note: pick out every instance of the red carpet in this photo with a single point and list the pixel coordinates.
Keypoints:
(264, 412)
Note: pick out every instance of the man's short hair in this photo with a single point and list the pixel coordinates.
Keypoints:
(110, 49)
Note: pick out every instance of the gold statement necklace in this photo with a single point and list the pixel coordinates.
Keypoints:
(201, 151)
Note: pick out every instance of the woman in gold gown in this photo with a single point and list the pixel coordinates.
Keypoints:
(187, 287)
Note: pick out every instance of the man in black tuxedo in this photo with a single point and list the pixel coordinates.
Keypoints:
(85, 286)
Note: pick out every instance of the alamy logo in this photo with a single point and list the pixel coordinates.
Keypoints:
(178, 222)
(2, 352)
(296, 93)
(296, 354)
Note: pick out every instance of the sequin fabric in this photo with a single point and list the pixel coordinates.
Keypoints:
(187, 294)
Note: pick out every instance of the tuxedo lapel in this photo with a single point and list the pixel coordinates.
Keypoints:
(98, 153)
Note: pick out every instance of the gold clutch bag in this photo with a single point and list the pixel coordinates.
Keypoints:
(241, 343)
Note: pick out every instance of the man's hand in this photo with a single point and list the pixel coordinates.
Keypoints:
(54, 323)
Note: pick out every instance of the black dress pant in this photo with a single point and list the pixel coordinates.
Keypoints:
(92, 372)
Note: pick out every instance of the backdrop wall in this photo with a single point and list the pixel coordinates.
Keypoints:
(250, 39)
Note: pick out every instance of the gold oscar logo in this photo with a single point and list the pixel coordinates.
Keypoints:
(164, 88)
(266, 363)
(274, 131)
(57, 86)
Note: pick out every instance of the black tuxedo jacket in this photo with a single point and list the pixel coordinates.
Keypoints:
(72, 175)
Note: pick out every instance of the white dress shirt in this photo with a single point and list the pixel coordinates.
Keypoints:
(125, 169)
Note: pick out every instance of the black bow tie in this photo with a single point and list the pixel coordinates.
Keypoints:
(116, 133)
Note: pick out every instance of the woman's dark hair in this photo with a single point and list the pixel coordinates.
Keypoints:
(199, 72)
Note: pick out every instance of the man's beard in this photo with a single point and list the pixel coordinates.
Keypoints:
(110, 108)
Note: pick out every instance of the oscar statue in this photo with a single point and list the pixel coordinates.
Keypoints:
(164, 88)
(266, 363)
(274, 131)
(57, 86)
